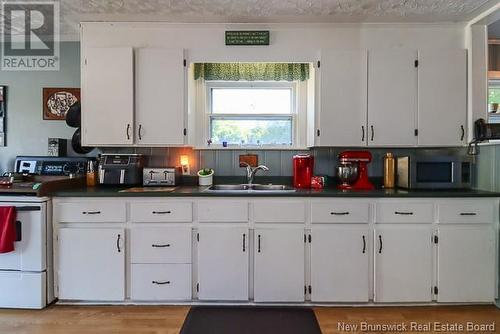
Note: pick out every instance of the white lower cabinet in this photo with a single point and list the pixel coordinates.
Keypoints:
(279, 264)
(466, 264)
(339, 264)
(403, 263)
(157, 282)
(91, 264)
(223, 262)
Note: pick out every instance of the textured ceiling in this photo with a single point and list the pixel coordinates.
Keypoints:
(247, 11)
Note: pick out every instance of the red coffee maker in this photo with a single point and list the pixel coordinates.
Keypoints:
(303, 170)
(353, 171)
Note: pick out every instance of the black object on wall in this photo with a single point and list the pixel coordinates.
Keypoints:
(3, 115)
(74, 120)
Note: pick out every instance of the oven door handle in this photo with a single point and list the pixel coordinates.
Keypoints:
(28, 208)
(19, 231)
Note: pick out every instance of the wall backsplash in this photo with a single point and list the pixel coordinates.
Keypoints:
(226, 162)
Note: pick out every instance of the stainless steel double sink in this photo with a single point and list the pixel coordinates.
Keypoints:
(251, 188)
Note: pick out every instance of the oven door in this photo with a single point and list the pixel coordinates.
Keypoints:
(30, 248)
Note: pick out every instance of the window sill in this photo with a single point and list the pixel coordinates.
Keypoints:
(251, 148)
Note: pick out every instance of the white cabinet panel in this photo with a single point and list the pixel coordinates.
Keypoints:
(466, 264)
(223, 262)
(157, 282)
(442, 97)
(339, 211)
(159, 96)
(467, 211)
(403, 264)
(23, 289)
(343, 96)
(160, 245)
(161, 212)
(217, 211)
(279, 264)
(92, 211)
(108, 97)
(279, 211)
(392, 97)
(91, 264)
(404, 212)
(339, 264)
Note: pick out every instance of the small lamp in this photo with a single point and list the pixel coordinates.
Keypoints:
(185, 165)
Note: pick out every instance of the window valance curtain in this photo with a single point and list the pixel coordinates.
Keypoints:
(252, 71)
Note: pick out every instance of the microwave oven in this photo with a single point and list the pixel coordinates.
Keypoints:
(434, 172)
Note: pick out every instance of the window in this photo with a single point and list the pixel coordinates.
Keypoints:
(252, 113)
(494, 100)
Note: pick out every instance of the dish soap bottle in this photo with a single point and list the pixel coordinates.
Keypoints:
(389, 171)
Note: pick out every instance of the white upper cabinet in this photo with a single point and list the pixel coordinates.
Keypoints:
(392, 97)
(343, 96)
(159, 89)
(107, 96)
(442, 97)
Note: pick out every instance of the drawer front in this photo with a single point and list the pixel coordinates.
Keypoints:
(161, 212)
(23, 290)
(152, 282)
(160, 245)
(340, 212)
(404, 212)
(279, 212)
(223, 211)
(467, 212)
(91, 211)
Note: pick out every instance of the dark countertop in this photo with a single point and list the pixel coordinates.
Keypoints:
(195, 191)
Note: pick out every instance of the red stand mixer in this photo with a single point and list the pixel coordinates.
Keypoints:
(353, 172)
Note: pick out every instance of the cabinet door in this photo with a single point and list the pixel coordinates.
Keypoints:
(91, 264)
(342, 118)
(279, 265)
(339, 264)
(107, 97)
(223, 263)
(466, 264)
(442, 97)
(159, 96)
(392, 97)
(403, 264)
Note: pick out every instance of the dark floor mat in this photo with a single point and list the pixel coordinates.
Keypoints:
(250, 320)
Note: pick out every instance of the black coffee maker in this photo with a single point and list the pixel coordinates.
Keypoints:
(121, 169)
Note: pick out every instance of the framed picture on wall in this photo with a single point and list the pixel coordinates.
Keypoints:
(57, 101)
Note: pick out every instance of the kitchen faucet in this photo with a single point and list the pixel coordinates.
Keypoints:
(252, 171)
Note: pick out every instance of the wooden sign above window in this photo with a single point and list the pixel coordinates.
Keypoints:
(247, 37)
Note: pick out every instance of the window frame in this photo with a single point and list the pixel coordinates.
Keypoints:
(295, 115)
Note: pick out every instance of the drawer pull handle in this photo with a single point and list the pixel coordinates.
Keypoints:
(91, 212)
(403, 213)
(468, 214)
(162, 212)
(160, 246)
(339, 213)
(160, 282)
(380, 244)
(364, 245)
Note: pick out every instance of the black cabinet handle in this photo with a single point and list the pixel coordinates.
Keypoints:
(468, 214)
(128, 131)
(364, 245)
(160, 246)
(162, 212)
(118, 243)
(463, 132)
(160, 282)
(380, 244)
(345, 213)
(362, 133)
(19, 231)
(140, 132)
(373, 132)
(401, 213)
(244, 242)
(91, 212)
(258, 244)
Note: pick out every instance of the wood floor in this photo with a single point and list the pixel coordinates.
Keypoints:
(168, 320)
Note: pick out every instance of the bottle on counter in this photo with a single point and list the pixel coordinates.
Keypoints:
(389, 171)
(91, 174)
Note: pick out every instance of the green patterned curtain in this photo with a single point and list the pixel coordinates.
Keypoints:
(251, 71)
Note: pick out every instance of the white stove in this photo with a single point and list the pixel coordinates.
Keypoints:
(26, 274)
